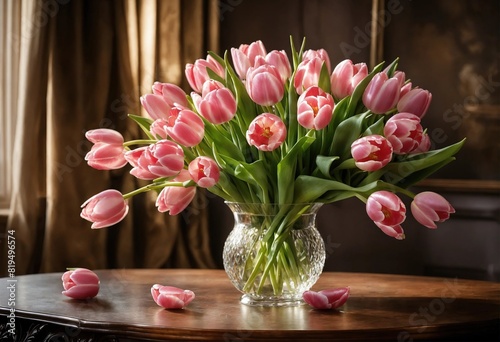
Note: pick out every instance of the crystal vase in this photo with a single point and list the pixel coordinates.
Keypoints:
(274, 252)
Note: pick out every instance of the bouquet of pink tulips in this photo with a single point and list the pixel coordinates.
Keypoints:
(269, 129)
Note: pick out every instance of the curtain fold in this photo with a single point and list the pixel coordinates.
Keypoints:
(94, 60)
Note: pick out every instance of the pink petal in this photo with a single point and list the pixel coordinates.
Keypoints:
(82, 291)
(170, 302)
(316, 300)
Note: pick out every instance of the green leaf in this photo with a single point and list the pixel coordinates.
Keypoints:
(213, 75)
(324, 79)
(397, 172)
(345, 134)
(416, 177)
(310, 189)
(144, 123)
(324, 164)
(376, 128)
(392, 67)
(222, 144)
(286, 169)
(254, 173)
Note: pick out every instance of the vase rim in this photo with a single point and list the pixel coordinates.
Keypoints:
(270, 208)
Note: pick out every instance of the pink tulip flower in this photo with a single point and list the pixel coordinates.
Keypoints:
(372, 152)
(416, 101)
(185, 126)
(382, 93)
(327, 299)
(172, 94)
(159, 129)
(244, 57)
(425, 144)
(266, 132)
(197, 74)
(204, 171)
(137, 158)
(105, 136)
(321, 54)
(264, 85)
(175, 199)
(428, 207)
(307, 74)
(315, 108)
(395, 231)
(405, 89)
(164, 158)
(106, 157)
(346, 76)
(210, 86)
(280, 61)
(170, 297)
(385, 208)
(217, 106)
(107, 153)
(155, 105)
(104, 209)
(80, 283)
(404, 132)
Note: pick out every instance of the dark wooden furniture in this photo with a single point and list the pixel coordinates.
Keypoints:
(381, 307)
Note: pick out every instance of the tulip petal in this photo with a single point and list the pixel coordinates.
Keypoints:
(83, 291)
(316, 300)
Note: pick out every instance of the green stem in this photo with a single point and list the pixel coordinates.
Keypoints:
(139, 142)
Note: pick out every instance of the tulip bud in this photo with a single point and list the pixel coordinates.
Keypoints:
(80, 283)
(155, 105)
(104, 209)
(185, 127)
(264, 85)
(315, 108)
(244, 57)
(346, 76)
(428, 207)
(104, 135)
(108, 151)
(217, 106)
(279, 60)
(307, 74)
(172, 94)
(416, 101)
(197, 74)
(382, 93)
(322, 54)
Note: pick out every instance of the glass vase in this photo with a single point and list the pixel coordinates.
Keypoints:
(274, 252)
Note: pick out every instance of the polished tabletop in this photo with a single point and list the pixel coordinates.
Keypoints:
(381, 307)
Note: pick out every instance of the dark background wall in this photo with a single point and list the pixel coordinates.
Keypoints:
(450, 48)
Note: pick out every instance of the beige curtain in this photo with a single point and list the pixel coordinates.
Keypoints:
(87, 68)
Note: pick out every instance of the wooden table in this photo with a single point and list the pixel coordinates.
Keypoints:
(381, 307)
